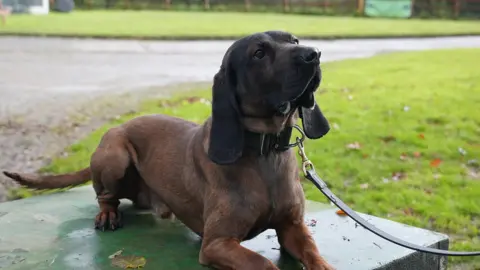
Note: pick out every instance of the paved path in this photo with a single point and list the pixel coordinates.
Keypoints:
(36, 70)
(44, 80)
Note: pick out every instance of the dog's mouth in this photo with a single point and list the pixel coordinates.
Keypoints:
(305, 98)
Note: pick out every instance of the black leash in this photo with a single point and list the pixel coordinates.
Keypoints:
(311, 174)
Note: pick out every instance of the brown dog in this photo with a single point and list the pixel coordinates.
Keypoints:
(232, 177)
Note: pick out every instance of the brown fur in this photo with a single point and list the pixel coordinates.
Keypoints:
(202, 173)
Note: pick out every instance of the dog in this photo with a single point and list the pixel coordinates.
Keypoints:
(230, 178)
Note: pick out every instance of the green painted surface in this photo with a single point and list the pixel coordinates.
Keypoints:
(56, 232)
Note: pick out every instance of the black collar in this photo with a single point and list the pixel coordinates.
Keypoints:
(263, 144)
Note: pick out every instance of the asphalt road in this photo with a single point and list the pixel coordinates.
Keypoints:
(42, 80)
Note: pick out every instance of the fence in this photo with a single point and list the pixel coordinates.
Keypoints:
(410, 8)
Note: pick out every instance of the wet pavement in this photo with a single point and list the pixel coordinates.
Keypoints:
(42, 80)
(37, 70)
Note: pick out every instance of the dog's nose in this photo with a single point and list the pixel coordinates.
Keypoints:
(310, 54)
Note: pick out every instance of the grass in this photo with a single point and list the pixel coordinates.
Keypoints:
(404, 144)
(195, 25)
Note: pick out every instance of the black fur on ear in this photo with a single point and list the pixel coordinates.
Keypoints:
(227, 133)
(315, 125)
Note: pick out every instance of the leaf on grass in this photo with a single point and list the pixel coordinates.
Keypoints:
(435, 163)
(340, 212)
(417, 154)
(421, 136)
(403, 156)
(408, 211)
(354, 145)
(462, 151)
(389, 138)
(129, 262)
(473, 163)
(205, 101)
(191, 100)
(398, 176)
(364, 186)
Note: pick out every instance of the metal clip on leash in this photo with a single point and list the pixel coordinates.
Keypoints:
(311, 174)
(306, 163)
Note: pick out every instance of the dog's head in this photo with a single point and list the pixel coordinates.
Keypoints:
(264, 78)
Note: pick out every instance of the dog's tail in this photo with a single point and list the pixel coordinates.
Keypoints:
(51, 181)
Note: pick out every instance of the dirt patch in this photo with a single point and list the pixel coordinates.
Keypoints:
(30, 141)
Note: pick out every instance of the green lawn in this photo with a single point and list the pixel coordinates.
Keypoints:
(180, 24)
(404, 144)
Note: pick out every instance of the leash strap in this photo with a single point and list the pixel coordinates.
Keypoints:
(311, 174)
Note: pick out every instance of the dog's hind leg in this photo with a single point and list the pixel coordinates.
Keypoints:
(109, 164)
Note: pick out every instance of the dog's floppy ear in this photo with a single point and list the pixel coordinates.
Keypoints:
(314, 122)
(226, 134)
(315, 125)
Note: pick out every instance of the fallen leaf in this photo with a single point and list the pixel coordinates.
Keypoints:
(118, 252)
(403, 156)
(130, 261)
(312, 223)
(398, 176)
(389, 138)
(205, 101)
(428, 191)
(473, 163)
(192, 99)
(364, 186)
(435, 163)
(340, 212)
(462, 151)
(421, 136)
(354, 145)
(408, 211)
(473, 169)
(365, 156)
(417, 154)
(473, 174)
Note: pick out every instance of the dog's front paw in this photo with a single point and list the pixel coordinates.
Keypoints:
(108, 220)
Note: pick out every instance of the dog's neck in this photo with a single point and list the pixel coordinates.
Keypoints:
(268, 135)
(265, 143)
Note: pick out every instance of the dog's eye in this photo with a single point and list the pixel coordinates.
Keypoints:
(259, 54)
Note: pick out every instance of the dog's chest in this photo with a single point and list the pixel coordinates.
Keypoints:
(281, 199)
